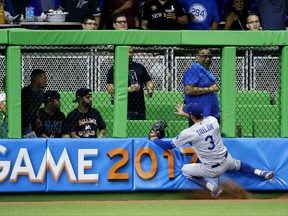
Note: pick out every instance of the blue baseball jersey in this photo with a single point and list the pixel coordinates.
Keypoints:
(205, 12)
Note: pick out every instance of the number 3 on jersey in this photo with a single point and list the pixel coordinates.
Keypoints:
(211, 141)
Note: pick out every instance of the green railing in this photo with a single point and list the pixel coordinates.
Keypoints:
(228, 41)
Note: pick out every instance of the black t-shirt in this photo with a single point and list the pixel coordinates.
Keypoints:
(84, 124)
(31, 102)
(51, 125)
(137, 74)
(78, 9)
(154, 13)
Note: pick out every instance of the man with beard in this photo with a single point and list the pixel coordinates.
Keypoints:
(138, 78)
(84, 121)
(51, 117)
(200, 85)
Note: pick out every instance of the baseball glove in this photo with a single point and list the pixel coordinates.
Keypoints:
(158, 129)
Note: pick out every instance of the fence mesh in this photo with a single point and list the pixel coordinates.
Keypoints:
(71, 68)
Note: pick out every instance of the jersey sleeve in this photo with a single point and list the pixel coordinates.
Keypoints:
(215, 13)
(102, 124)
(146, 12)
(69, 123)
(186, 136)
(146, 77)
(95, 8)
(180, 11)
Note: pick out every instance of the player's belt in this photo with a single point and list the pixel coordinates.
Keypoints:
(218, 164)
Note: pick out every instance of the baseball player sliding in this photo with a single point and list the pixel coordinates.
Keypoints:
(204, 136)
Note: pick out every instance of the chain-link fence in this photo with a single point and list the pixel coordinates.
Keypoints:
(71, 68)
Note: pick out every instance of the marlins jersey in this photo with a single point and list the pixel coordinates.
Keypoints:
(206, 139)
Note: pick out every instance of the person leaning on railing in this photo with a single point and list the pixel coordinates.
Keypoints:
(138, 77)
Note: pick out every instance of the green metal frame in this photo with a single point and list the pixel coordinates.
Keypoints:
(227, 40)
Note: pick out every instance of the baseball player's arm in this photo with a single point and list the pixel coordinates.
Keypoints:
(180, 112)
(101, 133)
(150, 88)
(163, 144)
(193, 90)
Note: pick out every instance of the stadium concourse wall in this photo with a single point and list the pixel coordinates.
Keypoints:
(132, 164)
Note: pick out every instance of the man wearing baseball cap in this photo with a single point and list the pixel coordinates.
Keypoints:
(205, 137)
(51, 117)
(84, 121)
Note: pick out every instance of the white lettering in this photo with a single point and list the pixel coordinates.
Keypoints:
(64, 162)
(22, 158)
(86, 164)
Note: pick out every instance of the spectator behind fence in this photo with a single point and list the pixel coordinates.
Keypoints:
(120, 22)
(163, 15)
(253, 22)
(51, 117)
(138, 77)
(84, 121)
(31, 99)
(202, 14)
(3, 107)
(78, 9)
(89, 23)
(129, 7)
(200, 85)
(237, 15)
(273, 14)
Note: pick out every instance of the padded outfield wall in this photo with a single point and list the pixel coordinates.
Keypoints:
(23, 161)
(130, 164)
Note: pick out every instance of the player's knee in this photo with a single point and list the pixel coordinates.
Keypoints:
(185, 171)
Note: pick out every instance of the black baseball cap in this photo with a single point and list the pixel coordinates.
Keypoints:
(51, 95)
(82, 92)
(194, 109)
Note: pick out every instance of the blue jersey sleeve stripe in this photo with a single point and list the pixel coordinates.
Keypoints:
(164, 144)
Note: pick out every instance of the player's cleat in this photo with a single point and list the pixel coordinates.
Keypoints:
(267, 174)
(216, 192)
